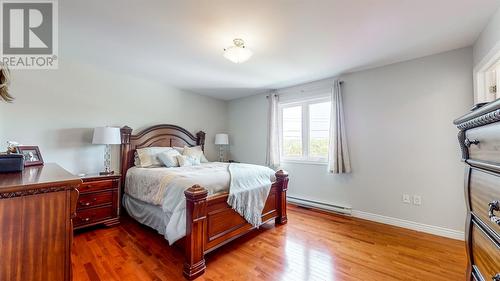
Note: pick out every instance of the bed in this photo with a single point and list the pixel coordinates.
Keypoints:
(209, 221)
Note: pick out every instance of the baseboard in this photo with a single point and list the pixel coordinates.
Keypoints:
(319, 205)
(436, 230)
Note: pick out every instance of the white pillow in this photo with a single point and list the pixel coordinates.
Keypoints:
(185, 161)
(148, 156)
(169, 158)
(179, 149)
(196, 152)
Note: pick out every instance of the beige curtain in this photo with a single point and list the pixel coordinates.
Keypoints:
(338, 153)
(273, 153)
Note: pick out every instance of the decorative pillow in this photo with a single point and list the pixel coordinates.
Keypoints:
(185, 161)
(137, 161)
(196, 152)
(169, 158)
(179, 149)
(148, 156)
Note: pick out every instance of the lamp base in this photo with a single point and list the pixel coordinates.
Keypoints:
(106, 173)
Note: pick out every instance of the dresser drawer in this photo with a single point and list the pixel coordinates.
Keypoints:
(88, 200)
(97, 185)
(484, 192)
(485, 254)
(484, 143)
(94, 215)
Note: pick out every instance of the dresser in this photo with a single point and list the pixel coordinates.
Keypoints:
(36, 231)
(99, 201)
(479, 139)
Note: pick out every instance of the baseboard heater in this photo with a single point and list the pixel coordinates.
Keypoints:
(319, 205)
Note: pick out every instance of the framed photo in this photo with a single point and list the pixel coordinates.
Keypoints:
(31, 154)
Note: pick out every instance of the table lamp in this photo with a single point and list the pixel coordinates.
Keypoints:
(221, 140)
(107, 136)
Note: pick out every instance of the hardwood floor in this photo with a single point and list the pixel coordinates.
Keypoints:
(312, 246)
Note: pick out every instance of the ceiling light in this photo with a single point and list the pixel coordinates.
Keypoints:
(237, 53)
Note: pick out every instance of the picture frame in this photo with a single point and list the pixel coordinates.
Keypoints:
(31, 154)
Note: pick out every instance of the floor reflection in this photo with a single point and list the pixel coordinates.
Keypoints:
(306, 263)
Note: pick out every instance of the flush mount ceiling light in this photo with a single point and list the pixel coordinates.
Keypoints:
(237, 53)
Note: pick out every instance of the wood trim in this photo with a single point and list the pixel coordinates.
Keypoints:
(492, 234)
(36, 191)
(493, 167)
(463, 148)
(478, 114)
(486, 119)
(282, 188)
(468, 221)
(196, 225)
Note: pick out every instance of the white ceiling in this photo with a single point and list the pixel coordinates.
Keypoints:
(180, 42)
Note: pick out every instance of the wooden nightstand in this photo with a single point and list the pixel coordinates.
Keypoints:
(99, 201)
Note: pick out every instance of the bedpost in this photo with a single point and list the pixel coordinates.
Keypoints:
(196, 224)
(125, 133)
(200, 139)
(282, 181)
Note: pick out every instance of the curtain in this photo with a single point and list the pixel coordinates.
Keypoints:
(338, 153)
(273, 151)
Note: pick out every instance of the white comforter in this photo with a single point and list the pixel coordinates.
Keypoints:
(165, 187)
(151, 184)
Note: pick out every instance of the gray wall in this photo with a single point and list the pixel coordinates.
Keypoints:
(402, 140)
(57, 109)
(488, 39)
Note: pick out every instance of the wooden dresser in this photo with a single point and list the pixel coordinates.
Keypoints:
(479, 139)
(36, 231)
(99, 201)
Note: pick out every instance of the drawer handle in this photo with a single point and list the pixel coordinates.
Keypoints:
(86, 219)
(494, 207)
(496, 277)
(88, 203)
(469, 142)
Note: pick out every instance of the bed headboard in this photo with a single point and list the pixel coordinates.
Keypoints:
(158, 135)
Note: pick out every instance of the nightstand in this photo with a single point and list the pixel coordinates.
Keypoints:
(99, 201)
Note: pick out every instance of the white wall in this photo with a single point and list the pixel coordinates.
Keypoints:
(57, 110)
(401, 137)
(489, 38)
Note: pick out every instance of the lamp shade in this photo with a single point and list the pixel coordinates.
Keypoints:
(237, 53)
(106, 135)
(221, 139)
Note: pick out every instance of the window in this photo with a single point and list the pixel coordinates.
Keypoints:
(305, 130)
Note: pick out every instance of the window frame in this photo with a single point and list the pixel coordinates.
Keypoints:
(304, 104)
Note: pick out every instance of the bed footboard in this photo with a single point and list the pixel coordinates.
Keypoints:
(211, 222)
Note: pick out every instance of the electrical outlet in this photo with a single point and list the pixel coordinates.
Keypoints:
(417, 200)
(406, 198)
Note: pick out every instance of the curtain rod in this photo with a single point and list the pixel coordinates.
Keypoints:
(267, 96)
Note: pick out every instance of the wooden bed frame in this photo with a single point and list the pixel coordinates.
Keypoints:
(210, 221)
